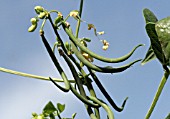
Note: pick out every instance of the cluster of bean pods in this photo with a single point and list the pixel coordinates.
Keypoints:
(72, 52)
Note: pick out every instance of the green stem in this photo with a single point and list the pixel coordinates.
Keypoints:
(78, 28)
(81, 8)
(58, 114)
(43, 24)
(57, 34)
(157, 95)
(79, 21)
(31, 75)
(55, 45)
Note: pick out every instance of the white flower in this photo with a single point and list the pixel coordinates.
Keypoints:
(105, 47)
(74, 13)
(101, 33)
(105, 44)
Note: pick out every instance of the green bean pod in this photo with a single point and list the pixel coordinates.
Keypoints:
(74, 73)
(56, 63)
(105, 106)
(60, 87)
(107, 69)
(107, 96)
(96, 56)
(83, 99)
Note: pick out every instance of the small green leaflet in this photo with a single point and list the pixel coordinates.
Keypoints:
(149, 17)
(155, 43)
(60, 107)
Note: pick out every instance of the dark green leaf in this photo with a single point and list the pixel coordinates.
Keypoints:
(49, 108)
(168, 117)
(150, 55)
(149, 16)
(60, 107)
(155, 44)
(162, 28)
(73, 115)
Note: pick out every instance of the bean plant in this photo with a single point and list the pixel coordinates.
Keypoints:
(159, 34)
(80, 60)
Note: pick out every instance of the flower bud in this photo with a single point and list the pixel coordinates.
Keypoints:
(34, 114)
(33, 21)
(100, 33)
(74, 13)
(87, 39)
(58, 20)
(39, 9)
(32, 27)
(67, 45)
(42, 15)
(83, 43)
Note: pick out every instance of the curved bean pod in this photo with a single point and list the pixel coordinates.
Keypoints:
(60, 87)
(83, 99)
(107, 69)
(96, 56)
(56, 63)
(107, 96)
(74, 73)
(106, 107)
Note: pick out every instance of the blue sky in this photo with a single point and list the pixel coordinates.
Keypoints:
(124, 26)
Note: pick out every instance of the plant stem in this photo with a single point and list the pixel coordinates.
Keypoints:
(157, 95)
(81, 8)
(31, 75)
(79, 21)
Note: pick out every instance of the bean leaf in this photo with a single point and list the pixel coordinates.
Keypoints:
(149, 17)
(60, 107)
(155, 43)
(162, 28)
(49, 108)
